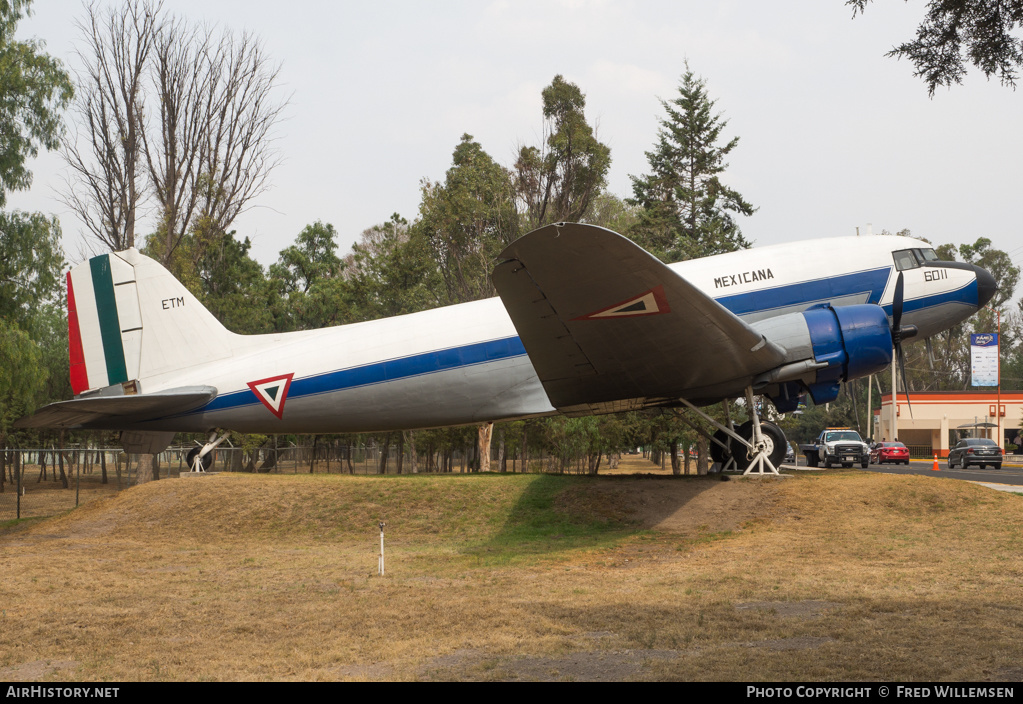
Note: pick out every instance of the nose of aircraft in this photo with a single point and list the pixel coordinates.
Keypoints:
(986, 286)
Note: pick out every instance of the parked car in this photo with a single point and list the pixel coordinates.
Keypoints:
(978, 451)
(885, 452)
(790, 454)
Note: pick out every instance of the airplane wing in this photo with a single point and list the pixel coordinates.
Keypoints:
(609, 327)
(113, 411)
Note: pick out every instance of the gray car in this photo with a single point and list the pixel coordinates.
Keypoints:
(978, 451)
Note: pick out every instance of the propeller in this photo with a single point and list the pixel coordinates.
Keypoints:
(901, 332)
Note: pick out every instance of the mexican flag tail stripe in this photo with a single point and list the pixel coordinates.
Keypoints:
(109, 326)
(79, 374)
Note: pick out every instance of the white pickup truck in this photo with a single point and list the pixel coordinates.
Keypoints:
(842, 446)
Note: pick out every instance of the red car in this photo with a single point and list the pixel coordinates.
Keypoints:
(885, 452)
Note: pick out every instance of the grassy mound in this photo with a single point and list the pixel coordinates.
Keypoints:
(839, 575)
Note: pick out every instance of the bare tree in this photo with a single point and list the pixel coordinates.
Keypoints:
(107, 183)
(238, 154)
(215, 149)
(182, 81)
(185, 113)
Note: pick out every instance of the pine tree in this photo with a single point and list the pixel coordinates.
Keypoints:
(685, 210)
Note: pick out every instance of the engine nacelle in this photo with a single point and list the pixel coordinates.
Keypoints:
(827, 346)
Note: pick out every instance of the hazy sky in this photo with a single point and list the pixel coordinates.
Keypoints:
(833, 135)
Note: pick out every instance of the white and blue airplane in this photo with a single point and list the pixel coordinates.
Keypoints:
(586, 322)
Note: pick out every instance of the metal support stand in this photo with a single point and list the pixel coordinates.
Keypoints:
(210, 445)
(760, 456)
(730, 463)
(756, 450)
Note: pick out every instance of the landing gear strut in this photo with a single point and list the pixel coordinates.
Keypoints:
(199, 459)
(764, 442)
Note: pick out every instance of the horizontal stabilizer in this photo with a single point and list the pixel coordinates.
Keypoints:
(111, 412)
(609, 327)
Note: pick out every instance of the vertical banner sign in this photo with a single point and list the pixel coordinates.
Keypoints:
(984, 359)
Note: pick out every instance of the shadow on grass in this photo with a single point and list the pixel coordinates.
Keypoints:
(557, 513)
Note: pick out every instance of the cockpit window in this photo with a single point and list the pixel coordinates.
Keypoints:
(904, 259)
(928, 255)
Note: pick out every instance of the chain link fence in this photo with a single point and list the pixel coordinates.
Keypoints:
(45, 481)
(38, 482)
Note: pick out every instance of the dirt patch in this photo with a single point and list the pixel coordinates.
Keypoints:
(694, 506)
(35, 671)
(588, 666)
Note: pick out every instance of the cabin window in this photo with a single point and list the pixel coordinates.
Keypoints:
(904, 259)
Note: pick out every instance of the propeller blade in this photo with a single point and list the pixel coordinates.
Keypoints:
(897, 309)
(902, 370)
(850, 388)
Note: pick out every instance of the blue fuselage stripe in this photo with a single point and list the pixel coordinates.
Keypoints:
(379, 372)
(966, 295)
(871, 283)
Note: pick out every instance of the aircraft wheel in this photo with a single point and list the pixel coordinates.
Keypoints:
(774, 438)
(206, 461)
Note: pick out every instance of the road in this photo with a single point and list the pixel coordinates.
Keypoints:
(1009, 474)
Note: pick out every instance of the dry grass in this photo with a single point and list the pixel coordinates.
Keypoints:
(839, 575)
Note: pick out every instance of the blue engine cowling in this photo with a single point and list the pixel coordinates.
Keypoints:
(854, 341)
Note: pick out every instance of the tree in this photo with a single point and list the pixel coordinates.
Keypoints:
(391, 271)
(311, 259)
(468, 220)
(233, 285)
(609, 211)
(685, 209)
(34, 89)
(106, 185)
(557, 181)
(954, 32)
(305, 276)
(236, 148)
(31, 267)
(33, 331)
(206, 156)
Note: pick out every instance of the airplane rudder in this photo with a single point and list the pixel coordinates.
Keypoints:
(101, 319)
(129, 319)
(178, 330)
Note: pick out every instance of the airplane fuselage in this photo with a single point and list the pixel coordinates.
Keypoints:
(465, 363)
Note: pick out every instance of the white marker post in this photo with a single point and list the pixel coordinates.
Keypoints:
(381, 562)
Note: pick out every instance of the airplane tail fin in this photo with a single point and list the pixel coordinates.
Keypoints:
(130, 322)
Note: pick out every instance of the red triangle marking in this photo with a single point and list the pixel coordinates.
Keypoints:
(654, 303)
(274, 403)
